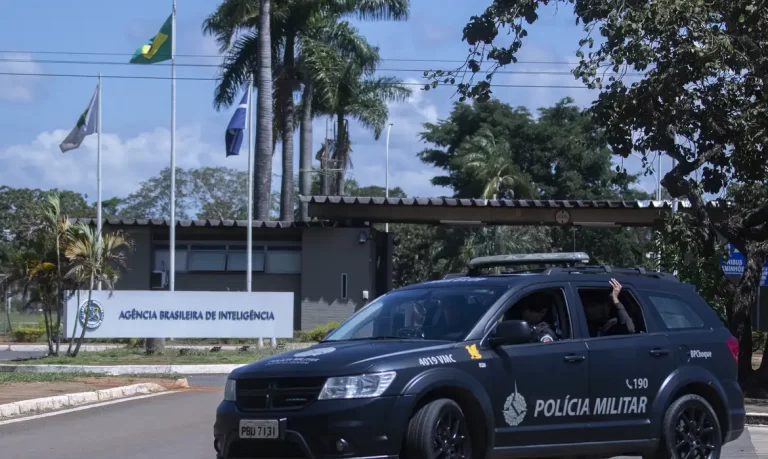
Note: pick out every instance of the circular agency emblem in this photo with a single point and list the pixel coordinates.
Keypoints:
(91, 316)
(515, 408)
(315, 352)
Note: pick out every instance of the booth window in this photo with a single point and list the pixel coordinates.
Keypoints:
(162, 261)
(283, 260)
(237, 258)
(208, 258)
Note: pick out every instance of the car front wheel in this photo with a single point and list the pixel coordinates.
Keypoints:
(690, 430)
(438, 431)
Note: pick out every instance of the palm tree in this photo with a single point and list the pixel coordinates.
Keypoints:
(490, 161)
(291, 20)
(326, 46)
(363, 98)
(249, 56)
(97, 257)
(39, 268)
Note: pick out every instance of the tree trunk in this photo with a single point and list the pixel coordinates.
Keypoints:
(74, 327)
(263, 154)
(325, 180)
(7, 306)
(341, 154)
(741, 322)
(762, 372)
(85, 321)
(305, 150)
(47, 319)
(286, 99)
(155, 346)
(59, 295)
(57, 331)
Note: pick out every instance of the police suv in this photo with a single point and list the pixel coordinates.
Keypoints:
(512, 364)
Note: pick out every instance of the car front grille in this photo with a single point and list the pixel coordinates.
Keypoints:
(277, 393)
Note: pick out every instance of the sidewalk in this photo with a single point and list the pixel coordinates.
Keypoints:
(16, 392)
(21, 347)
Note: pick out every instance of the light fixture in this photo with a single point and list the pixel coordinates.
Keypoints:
(597, 224)
(462, 222)
(362, 237)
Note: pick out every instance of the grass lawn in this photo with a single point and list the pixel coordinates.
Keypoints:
(13, 378)
(138, 357)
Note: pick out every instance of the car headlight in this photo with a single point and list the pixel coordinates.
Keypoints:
(362, 386)
(229, 390)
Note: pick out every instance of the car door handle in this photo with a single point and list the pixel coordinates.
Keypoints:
(659, 352)
(574, 358)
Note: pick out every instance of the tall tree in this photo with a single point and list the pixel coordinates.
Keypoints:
(363, 99)
(491, 164)
(205, 193)
(701, 103)
(559, 155)
(264, 115)
(292, 22)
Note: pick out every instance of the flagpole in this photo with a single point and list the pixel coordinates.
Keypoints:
(172, 248)
(98, 165)
(249, 247)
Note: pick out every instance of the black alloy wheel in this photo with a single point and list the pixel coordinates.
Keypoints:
(439, 431)
(692, 430)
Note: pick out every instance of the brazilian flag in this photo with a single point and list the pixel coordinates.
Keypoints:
(159, 47)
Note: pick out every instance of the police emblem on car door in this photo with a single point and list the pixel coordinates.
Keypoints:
(536, 383)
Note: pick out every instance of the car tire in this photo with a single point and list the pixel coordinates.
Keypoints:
(428, 432)
(690, 422)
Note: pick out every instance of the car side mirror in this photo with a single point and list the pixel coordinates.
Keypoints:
(511, 332)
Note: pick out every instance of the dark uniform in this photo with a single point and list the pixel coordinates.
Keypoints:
(622, 324)
(543, 333)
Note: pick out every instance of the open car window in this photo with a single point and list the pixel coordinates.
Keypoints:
(438, 313)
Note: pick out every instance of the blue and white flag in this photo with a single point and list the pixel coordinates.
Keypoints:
(236, 127)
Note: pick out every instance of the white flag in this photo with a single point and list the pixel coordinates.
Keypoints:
(86, 125)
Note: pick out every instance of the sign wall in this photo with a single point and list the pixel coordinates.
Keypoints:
(165, 314)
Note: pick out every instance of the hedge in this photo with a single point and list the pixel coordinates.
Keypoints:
(319, 332)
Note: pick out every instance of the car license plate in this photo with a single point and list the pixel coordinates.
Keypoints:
(263, 429)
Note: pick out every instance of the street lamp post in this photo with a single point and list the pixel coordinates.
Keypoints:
(386, 174)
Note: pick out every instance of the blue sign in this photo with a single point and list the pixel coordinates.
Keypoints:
(737, 262)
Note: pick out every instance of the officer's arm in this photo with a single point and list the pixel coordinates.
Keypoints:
(624, 317)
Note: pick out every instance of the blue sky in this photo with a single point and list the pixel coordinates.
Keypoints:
(36, 113)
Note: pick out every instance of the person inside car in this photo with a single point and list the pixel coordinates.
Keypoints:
(449, 324)
(534, 310)
(608, 317)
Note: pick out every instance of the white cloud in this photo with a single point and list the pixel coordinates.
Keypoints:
(125, 161)
(18, 88)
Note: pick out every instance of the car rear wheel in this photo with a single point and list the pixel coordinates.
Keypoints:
(690, 430)
(438, 431)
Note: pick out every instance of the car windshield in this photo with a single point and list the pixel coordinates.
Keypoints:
(439, 313)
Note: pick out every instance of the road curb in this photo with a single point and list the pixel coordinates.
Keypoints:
(124, 370)
(104, 347)
(756, 419)
(46, 404)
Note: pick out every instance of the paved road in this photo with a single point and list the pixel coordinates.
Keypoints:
(176, 426)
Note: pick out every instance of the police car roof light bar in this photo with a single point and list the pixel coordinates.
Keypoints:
(522, 259)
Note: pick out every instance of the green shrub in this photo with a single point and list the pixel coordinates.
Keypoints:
(319, 332)
(28, 334)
